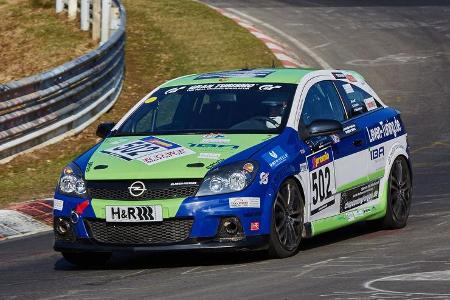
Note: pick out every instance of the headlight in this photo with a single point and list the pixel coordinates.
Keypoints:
(71, 181)
(228, 179)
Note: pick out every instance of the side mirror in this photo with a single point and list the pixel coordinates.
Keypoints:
(104, 129)
(322, 128)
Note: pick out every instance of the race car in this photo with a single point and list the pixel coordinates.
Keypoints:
(251, 159)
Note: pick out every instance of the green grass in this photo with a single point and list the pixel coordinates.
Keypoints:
(33, 38)
(165, 39)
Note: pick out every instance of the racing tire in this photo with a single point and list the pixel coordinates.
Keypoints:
(399, 195)
(87, 259)
(287, 220)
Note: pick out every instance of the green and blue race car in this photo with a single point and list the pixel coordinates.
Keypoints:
(244, 159)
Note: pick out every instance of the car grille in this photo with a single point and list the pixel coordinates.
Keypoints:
(118, 190)
(168, 231)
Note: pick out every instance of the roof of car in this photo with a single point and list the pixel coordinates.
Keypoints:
(269, 75)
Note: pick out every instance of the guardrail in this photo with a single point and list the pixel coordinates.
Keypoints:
(45, 108)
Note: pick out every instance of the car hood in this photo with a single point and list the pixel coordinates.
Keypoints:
(167, 156)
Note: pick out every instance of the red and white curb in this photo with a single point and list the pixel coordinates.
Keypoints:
(287, 58)
(26, 218)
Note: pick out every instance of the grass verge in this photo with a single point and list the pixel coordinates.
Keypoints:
(165, 39)
(34, 39)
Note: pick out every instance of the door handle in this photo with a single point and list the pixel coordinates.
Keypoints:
(357, 143)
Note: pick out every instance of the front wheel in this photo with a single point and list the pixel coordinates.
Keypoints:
(399, 195)
(287, 220)
(87, 259)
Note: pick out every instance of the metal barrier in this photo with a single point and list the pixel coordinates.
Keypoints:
(45, 108)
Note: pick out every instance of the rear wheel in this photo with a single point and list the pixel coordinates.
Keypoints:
(87, 259)
(287, 220)
(399, 195)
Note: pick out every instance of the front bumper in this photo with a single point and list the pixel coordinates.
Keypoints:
(260, 242)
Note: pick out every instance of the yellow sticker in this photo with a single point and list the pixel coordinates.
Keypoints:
(150, 100)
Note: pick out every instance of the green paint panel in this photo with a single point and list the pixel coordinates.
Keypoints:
(374, 212)
(278, 76)
(120, 169)
(170, 206)
(360, 181)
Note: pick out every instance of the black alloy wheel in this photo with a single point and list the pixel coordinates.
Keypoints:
(287, 220)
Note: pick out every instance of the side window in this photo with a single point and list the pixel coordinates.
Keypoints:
(358, 100)
(322, 102)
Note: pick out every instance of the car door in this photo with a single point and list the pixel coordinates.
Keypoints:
(362, 188)
(331, 165)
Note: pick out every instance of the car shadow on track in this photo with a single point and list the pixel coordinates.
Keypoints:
(126, 261)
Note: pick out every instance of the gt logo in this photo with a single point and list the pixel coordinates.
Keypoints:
(269, 87)
(174, 90)
(376, 153)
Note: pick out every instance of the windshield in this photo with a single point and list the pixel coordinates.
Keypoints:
(218, 107)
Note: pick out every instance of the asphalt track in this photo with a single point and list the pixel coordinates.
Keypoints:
(403, 49)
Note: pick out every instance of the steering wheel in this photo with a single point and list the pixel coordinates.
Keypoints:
(264, 119)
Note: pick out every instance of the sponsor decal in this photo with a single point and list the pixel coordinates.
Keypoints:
(149, 150)
(221, 86)
(384, 129)
(147, 213)
(348, 88)
(275, 157)
(303, 167)
(248, 167)
(359, 195)
(183, 183)
(215, 146)
(150, 100)
(351, 78)
(209, 155)
(352, 215)
(322, 207)
(370, 104)
(269, 87)
(236, 74)
(391, 154)
(263, 178)
(338, 75)
(152, 159)
(212, 165)
(89, 165)
(320, 159)
(335, 138)
(244, 202)
(214, 138)
(58, 204)
(376, 153)
(254, 226)
(349, 129)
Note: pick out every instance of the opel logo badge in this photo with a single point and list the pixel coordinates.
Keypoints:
(137, 188)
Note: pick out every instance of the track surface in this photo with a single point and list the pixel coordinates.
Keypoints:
(404, 52)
